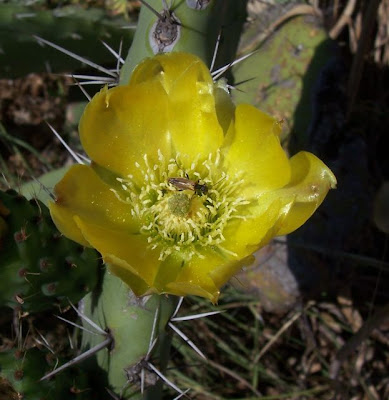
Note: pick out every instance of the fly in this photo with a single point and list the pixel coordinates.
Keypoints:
(187, 184)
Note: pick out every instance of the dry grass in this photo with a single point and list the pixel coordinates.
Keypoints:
(253, 354)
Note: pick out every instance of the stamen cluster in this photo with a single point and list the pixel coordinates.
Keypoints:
(177, 220)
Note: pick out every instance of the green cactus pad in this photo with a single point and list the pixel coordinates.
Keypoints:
(39, 268)
(129, 320)
(23, 369)
(187, 28)
(280, 76)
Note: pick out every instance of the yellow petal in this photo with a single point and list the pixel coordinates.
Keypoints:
(168, 105)
(245, 236)
(121, 125)
(225, 108)
(168, 271)
(279, 212)
(63, 219)
(193, 119)
(130, 252)
(197, 275)
(205, 276)
(167, 68)
(194, 276)
(121, 269)
(189, 289)
(255, 153)
(82, 193)
(310, 182)
(196, 121)
(224, 272)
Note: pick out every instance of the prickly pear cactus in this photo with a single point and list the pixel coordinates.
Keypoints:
(23, 369)
(39, 268)
(133, 323)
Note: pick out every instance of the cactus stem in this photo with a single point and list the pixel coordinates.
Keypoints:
(152, 343)
(187, 340)
(153, 10)
(138, 370)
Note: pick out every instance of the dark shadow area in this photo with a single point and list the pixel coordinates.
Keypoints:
(340, 251)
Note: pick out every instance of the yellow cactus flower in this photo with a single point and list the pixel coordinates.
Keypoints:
(183, 185)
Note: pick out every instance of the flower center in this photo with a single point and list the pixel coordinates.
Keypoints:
(183, 210)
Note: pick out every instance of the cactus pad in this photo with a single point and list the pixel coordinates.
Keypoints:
(23, 369)
(39, 268)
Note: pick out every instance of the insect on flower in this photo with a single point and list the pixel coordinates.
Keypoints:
(187, 184)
